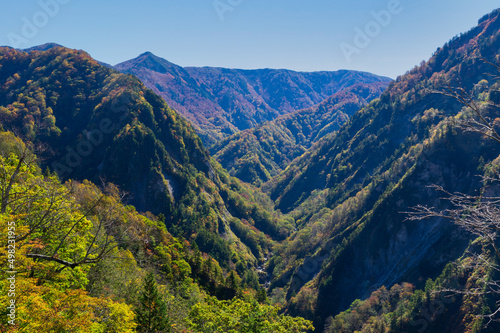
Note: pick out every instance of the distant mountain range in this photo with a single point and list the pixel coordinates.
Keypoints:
(220, 101)
(43, 47)
(258, 154)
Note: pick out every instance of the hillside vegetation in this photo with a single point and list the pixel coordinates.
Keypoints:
(348, 193)
(258, 154)
(96, 124)
(81, 261)
(122, 220)
(221, 101)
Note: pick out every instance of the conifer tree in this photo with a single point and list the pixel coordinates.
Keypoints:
(152, 311)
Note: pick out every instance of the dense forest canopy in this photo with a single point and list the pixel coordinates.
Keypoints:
(222, 101)
(116, 218)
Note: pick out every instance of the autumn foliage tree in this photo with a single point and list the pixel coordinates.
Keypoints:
(55, 246)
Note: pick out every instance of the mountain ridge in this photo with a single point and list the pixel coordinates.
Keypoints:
(222, 101)
(348, 192)
(331, 238)
(272, 146)
(101, 125)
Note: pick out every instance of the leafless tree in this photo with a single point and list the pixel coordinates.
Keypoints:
(478, 214)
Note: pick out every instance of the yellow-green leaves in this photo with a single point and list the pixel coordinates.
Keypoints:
(240, 315)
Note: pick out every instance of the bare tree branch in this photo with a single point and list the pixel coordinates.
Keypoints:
(478, 214)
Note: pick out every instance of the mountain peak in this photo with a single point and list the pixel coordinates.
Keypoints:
(147, 54)
(147, 60)
(43, 47)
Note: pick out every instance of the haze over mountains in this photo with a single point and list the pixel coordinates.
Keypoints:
(303, 204)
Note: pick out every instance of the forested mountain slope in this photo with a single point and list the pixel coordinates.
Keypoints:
(343, 254)
(258, 154)
(100, 125)
(220, 101)
(79, 260)
(349, 192)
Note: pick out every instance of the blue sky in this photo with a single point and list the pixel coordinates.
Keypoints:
(304, 35)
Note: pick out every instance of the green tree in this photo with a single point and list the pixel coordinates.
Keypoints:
(152, 310)
(56, 244)
(239, 315)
